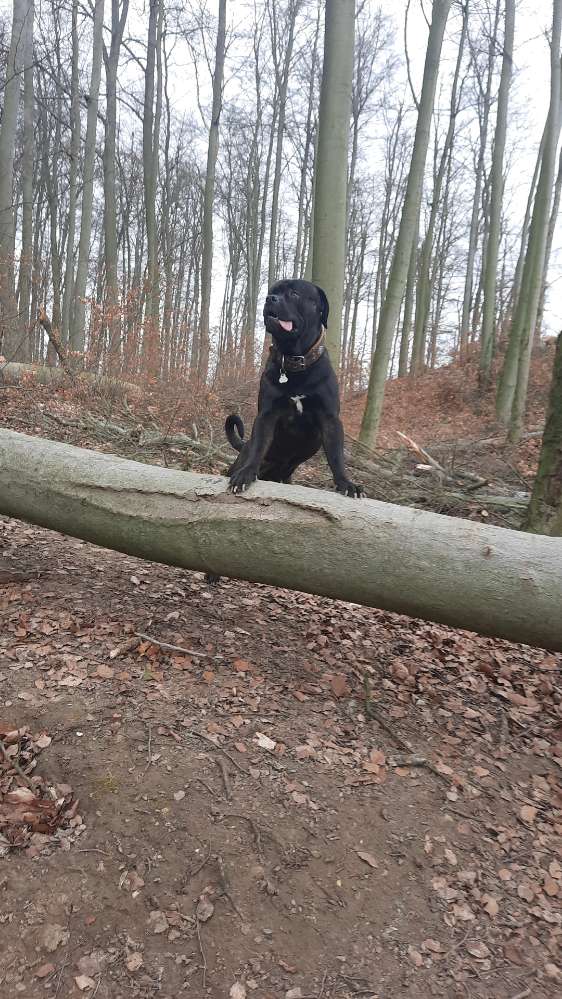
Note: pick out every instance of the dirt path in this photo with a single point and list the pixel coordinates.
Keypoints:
(244, 829)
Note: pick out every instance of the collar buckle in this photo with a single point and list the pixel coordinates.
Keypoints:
(297, 361)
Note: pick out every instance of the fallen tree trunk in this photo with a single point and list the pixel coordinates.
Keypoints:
(381, 473)
(14, 372)
(487, 579)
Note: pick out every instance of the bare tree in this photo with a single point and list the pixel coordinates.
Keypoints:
(77, 335)
(330, 201)
(68, 294)
(423, 297)
(555, 210)
(544, 515)
(512, 389)
(111, 60)
(408, 223)
(488, 335)
(484, 77)
(304, 205)
(26, 259)
(10, 328)
(150, 144)
(209, 196)
(282, 40)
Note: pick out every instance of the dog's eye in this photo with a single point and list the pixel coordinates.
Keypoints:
(294, 294)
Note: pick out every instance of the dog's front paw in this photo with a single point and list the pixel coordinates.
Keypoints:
(241, 479)
(348, 488)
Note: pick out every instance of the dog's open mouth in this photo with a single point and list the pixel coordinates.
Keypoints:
(286, 324)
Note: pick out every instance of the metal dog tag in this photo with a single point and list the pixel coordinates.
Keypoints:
(283, 378)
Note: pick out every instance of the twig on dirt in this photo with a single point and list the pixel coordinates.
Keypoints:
(171, 648)
(127, 646)
(253, 827)
(225, 886)
(477, 485)
(332, 899)
(433, 769)
(226, 780)
(400, 742)
(219, 749)
(465, 815)
(456, 946)
(199, 780)
(66, 953)
(363, 989)
(416, 759)
(149, 747)
(321, 993)
(411, 760)
(523, 994)
(96, 990)
(201, 951)
(93, 849)
(14, 765)
(367, 696)
(202, 864)
(7, 968)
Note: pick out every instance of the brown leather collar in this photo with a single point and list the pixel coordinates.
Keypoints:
(299, 362)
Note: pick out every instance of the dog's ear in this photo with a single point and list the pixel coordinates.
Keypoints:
(324, 306)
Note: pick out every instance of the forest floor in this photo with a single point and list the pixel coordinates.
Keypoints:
(302, 798)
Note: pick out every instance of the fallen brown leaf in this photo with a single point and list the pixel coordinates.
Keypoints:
(367, 858)
(45, 970)
(528, 813)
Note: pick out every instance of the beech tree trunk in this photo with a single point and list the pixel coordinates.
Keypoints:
(68, 293)
(424, 288)
(544, 515)
(26, 258)
(78, 332)
(150, 138)
(209, 197)
(111, 253)
(330, 199)
(488, 334)
(554, 213)
(485, 100)
(390, 310)
(10, 332)
(487, 579)
(512, 388)
(408, 310)
(282, 72)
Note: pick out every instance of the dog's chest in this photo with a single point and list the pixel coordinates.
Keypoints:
(297, 401)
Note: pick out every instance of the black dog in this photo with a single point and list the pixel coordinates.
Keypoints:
(298, 402)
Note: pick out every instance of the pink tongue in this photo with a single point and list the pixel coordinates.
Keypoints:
(285, 324)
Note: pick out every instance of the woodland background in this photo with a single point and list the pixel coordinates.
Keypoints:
(132, 134)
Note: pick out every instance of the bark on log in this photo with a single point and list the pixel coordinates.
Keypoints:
(487, 579)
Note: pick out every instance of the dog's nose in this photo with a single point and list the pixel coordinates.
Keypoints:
(272, 299)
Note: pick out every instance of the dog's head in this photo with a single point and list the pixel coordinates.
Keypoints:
(294, 313)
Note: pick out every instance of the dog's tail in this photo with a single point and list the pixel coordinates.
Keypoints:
(234, 430)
